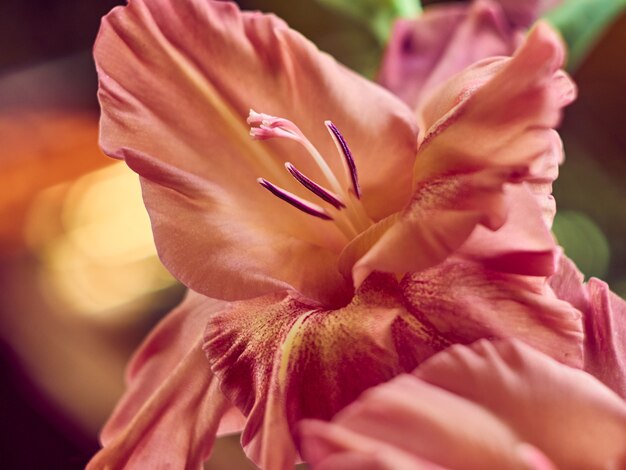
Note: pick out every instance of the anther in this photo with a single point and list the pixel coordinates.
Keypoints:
(343, 149)
(297, 202)
(318, 190)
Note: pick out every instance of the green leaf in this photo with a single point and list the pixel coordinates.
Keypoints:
(583, 241)
(377, 15)
(582, 22)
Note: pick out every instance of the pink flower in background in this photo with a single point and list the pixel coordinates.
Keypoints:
(425, 51)
(500, 405)
(342, 253)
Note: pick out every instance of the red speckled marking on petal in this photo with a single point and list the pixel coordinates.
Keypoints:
(281, 358)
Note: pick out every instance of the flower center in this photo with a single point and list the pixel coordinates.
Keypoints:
(342, 202)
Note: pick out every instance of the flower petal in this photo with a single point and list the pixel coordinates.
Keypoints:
(490, 405)
(604, 322)
(523, 244)
(560, 410)
(169, 382)
(466, 302)
(606, 336)
(443, 214)
(426, 51)
(497, 112)
(327, 446)
(488, 126)
(240, 259)
(174, 105)
(281, 358)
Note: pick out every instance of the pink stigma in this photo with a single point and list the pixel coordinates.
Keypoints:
(264, 126)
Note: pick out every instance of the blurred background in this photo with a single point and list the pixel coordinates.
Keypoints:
(80, 284)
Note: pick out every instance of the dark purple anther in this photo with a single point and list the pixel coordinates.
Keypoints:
(345, 150)
(315, 188)
(295, 201)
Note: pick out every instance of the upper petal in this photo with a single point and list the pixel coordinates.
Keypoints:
(497, 112)
(177, 79)
(172, 408)
(488, 126)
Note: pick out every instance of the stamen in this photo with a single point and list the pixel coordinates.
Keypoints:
(297, 202)
(315, 188)
(272, 126)
(343, 148)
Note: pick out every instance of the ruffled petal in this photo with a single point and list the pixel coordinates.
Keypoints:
(498, 112)
(174, 106)
(466, 302)
(524, 244)
(169, 383)
(281, 358)
(604, 322)
(490, 405)
(486, 127)
(606, 336)
(568, 284)
(426, 51)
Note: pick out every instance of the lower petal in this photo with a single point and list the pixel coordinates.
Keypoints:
(526, 390)
(489, 405)
(169, 384)
(604, 322)
(606, 336)
(281, 358)
(464, 301)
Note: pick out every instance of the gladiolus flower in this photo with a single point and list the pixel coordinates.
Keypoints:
(500, 405)
(345, 243)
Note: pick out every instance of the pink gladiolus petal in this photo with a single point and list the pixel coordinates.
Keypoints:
(175, 105)
(504, 107)
(464, 302)
(604, 321)
(426, 51)
(573, 418)
(281, 358)
(500, 405)
(169, 383)
(487, 126)
(606, 340)
(268, 352)
(523, 244)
